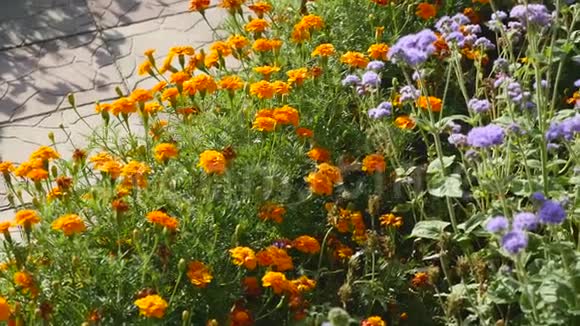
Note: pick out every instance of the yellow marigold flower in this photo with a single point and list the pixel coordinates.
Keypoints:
(212, 59)
(323, 50)
(303, 284)
(179, 77)
(319, 183)
(404, 122)
(198, 274)
(272, 212)
(69, 224)
(297, 76)
(286, 115)
(426, 10)
(101, 158)
(374, 163)
(433, 103)
(263, 45)
(332, 172)
(163, 219)
(343, 252)
(319, 154)
(260, 8)
(152, 107)
(243, 256)
(238, 41)
(231, 4)
(169, 94)
(281, 88)
(24, 280)
(54, 193)
(5, 310)
(378, 51)
(266, 71)
(198, 5)
(123, 105)
(204, 83)
(312, 21)
(257, 25)
(264, 124)
(276, 280)
(391, 220)
(102, 107)
(306, 244)
(26, 217)
(262, 90)
(374, 321)
(151, 306)
(182, 50)
(222, 48)
(231, 83)
(354, 59)
(420, 279)
(304, 132)
(212, 162)
(141, 95)
(145, 68)
(159, 86)
(135, 172)
(165, 151)
(166, 65)
(44, 153)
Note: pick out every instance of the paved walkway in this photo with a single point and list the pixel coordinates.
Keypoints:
(50, 48)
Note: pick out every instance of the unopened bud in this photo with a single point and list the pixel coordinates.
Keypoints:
(51, 136)
(119, 91)
(71, 99)
(182, 265)
(54, 171)
(185, 315)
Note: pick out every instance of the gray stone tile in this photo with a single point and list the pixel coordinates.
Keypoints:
(36, 79)
(29, 21)
(114, 13)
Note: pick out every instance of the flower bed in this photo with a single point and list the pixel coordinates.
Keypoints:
(368, 162)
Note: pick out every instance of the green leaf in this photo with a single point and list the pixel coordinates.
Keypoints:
(450, 186)
(472, 223)
(435, 165)
(429, 229)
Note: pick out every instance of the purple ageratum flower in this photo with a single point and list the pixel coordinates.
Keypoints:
(538, 197)
(351, 80)
(514, 241)
(516, 129)
(551, 212)
(566, 129)
(497, 224)
(536, 14)
(413, 49)
(487, 136)
(382, 110)
(375, 65)
(525, 221)
(484, 44)
(455, 128)
(543, 83)
(409, 93)
(472, 29)
(457, 140)
(499, 15)
(501, 64)
(455, 37)
(385, 106)
(501, 79)
(417, 75)
(371, 78)
(479, 106)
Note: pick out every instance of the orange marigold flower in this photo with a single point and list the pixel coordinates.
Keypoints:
(152, 306)
(212, 59)
(343, 252)
(404, 122)
(26, 217)
(231, 83)
(257, 25)
(159, 86)
(165, 151)
(37, 174)
(204, 83)
(141, 95)
(222, 48)
(182, 50)
(426, 10)
(199, 274)
(264, 124)
(163, 219)
(69, 224)
(241, 317)
(145, 68)
(152, 107)
(312, 21)
(198, 5)
(5, 310)
(44, 153)
(378, 51)
(123, 105)
(266, 71)
(354, 59)
(374, 321)
(297, 76)
(281, 88)
(404, 316)
(303, 284)
(276, 280)
(166, 64)
(306, 244)
(275, 257)
(4, 226)
(238, 42)
(332, 172)
(251, 286)
(263, 45)
(286, 115)
(300, 33)
(319, 154)
(323, 50)
(304, 132)
(212, 162)
(260, 8)
(169, 94)
(319, 183)
(112, 167)
(102, 107)
(430, 103)
(231, 4)
(420, 279)
(374, 163)
(272, 212)
(391, 220)
(244, 256)
(6, 166)
(472, 15)
(179, 77)
(135, 172)
(262, 90)
(24, 280)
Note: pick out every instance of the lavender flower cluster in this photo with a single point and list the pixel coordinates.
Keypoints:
(566, 129)
(413, 49)
(370, 79)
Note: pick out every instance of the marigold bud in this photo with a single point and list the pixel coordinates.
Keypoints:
(71, 99)
(181, 266)
(51, 136)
